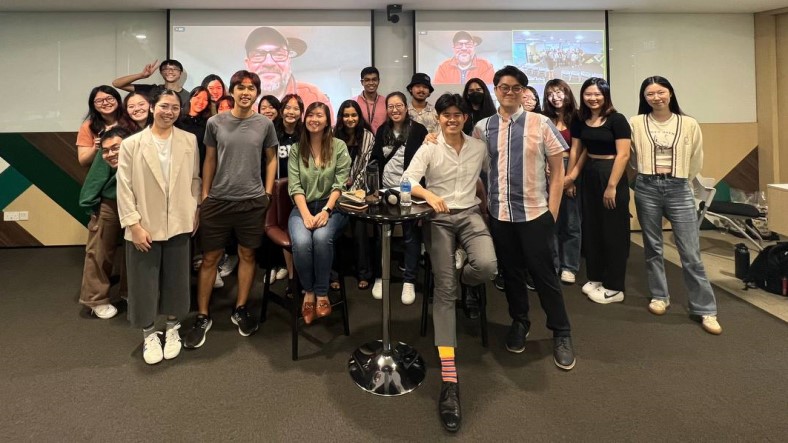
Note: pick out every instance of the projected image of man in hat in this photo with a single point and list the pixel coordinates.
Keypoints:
(464, 64)
(269, 54)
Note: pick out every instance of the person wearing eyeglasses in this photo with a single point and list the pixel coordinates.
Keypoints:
(104, 112)
(667, 150)
(158, 196)
(269, 54)
(373, 105)
(170, 70)
(465, 63)
(99, 198)
(523, 207)
(396, 142)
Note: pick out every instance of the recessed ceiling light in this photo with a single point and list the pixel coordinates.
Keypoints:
(141, 36)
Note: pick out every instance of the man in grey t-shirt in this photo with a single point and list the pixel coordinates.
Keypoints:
(234, 199)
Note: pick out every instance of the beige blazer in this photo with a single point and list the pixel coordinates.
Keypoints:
(163, 209)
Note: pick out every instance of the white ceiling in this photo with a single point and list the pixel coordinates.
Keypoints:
(686, 6)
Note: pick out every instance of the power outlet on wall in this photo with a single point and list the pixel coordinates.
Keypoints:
(24, 215)
(11, 216)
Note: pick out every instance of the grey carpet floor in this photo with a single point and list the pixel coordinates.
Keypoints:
(67, 377)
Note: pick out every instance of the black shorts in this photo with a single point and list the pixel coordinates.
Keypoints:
(220, 218)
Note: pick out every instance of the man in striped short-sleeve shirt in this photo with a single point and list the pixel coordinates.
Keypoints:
(523, 207)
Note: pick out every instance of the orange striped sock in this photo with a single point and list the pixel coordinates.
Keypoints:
(448, 368)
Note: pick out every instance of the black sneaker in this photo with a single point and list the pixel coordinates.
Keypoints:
(563, 353)
(471, 307)
(247, 325)
(195, 337)
(515, 338)
(499, 284)
(529, 282)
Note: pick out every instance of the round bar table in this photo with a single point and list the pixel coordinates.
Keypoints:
(379, 367)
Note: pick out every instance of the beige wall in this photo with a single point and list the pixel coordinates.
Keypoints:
(771, 73)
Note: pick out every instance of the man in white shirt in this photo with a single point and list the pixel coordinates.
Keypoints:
(451, 169)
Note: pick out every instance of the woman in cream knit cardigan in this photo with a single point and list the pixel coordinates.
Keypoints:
(667, 151)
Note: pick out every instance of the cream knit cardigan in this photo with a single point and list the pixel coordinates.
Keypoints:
(687, 147)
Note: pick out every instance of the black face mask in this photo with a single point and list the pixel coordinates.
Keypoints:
(476, 98)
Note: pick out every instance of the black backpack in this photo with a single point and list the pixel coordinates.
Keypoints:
(770, 268)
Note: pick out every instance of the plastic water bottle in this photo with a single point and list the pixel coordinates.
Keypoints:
(404, 191)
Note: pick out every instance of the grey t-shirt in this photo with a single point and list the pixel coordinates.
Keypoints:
(392, 173)
(239, 147)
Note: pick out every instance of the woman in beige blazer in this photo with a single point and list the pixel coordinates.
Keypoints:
(158, 195)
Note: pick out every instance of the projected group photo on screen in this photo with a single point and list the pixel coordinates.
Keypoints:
(572, 56)
(319, 63)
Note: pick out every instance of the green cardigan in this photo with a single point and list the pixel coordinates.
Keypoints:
(100, 182)
(318, 183)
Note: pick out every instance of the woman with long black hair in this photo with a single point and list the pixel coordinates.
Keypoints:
(478, 96)
(104, 112)
(352, 129)
(667, 148)
(605, 137)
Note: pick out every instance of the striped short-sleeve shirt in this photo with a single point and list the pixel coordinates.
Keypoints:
(518, 148)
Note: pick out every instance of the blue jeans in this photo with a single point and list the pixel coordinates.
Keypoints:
(568, 231)
(672, 198)
(313, 250)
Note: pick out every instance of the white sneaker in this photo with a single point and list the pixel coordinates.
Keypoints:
(590, 287)
(568, 277)
(227, 265)
(711, 325)
(281, 273)
(377, 289)
(151, 349)
(105, 311)
(658, 306)
(604, 296)
(271, 277)
(459, 258)
(218, 283)
(408, 293)
(172, 343)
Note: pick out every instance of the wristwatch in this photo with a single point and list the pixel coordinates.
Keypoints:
(327, 209)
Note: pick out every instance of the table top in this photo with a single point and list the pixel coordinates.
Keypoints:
(386, 213)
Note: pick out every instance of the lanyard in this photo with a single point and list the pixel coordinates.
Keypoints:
(374, 106)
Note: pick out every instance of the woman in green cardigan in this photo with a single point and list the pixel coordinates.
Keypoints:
(318, 168)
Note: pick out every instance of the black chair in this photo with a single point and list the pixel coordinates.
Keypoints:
(276, 229)
(481, 290)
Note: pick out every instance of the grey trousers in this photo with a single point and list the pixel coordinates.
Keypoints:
(158, 280)
(464, 228)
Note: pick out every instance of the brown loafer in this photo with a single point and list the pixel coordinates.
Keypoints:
(323, 308)
(308, 312)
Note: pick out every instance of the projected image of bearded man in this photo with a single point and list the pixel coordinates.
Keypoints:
(269, 54)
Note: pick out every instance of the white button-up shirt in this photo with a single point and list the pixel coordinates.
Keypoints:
(449, 175)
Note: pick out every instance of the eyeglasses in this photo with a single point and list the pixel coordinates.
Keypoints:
(398, 106)
(460, 45)
(170, 69)
(112, 149)
(660, 94)
(506, 88)
(277, 55)
(108, 100)
(528, 98)
(556, 94)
